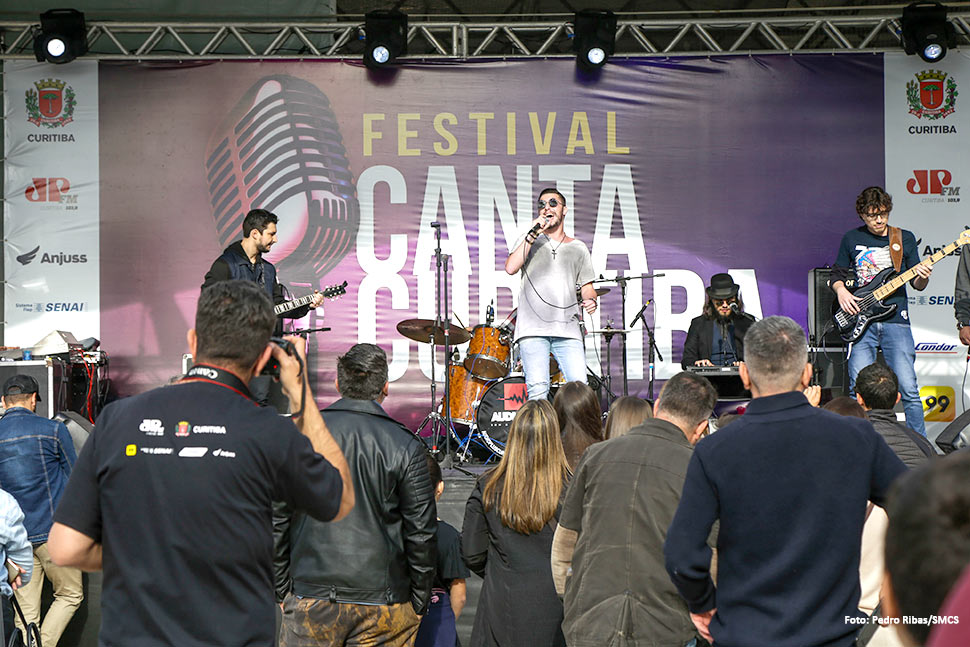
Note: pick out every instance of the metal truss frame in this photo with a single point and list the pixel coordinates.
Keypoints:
(842, 30)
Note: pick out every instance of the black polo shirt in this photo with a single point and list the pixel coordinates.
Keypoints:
(177, 485)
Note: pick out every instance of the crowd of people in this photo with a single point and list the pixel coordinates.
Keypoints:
(791, 525)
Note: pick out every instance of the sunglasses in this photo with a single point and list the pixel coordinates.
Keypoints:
(552, 203)
(718, 302)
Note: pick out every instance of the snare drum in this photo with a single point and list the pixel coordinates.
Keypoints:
(488, 352)
(465, 393)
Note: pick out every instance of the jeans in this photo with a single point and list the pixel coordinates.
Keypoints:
(896, 341)
(534, 351)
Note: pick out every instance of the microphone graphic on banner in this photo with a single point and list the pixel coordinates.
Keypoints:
(280, 149)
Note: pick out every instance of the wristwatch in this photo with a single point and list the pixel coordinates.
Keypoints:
(961, 325)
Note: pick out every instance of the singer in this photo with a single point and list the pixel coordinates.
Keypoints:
(552, 265)
(716, 338)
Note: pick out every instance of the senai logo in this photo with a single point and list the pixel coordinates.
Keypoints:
(932, 95)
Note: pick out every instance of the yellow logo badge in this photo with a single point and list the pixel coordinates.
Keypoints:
(938, 403)
(131, 450)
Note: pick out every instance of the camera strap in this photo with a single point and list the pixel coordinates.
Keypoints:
(216, 375)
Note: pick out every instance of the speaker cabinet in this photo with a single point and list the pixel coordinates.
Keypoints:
(820, 298)
(831, 370)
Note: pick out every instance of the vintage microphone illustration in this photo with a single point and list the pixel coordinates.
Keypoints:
(280, 149)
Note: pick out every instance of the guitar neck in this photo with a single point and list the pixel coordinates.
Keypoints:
(286, 306)
(894, 284)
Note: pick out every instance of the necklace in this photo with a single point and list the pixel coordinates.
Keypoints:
(553, 249)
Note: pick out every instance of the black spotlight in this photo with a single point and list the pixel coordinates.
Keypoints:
(387, 37)
(594, 33)
(926, 31)
(62, 36)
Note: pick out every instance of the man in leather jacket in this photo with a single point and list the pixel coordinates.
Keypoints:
(370, 575)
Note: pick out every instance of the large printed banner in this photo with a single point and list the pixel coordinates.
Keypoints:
(679, 169)
(927, 137)
(51, 211)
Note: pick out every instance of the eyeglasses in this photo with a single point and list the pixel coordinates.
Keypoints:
(552, 203)
(877, 215)
(726, 302)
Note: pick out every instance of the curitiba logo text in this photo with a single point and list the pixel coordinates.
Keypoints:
(932, 95)
(51, 104)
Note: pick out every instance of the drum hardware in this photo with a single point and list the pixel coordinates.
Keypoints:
(651, 347)
(622, 281)
(608, 334)
(440, 333)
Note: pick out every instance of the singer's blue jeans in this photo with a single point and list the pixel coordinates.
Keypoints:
(534, 352)
(896, 340)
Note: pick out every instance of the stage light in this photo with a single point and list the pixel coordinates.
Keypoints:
(594, 34)
(926, 32)
(62, 36)
(386, 37)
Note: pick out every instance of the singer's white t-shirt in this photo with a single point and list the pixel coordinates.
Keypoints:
(548, 304)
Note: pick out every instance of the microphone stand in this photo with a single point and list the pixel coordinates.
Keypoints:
(651, 347)
(622, 281)
(307, 331)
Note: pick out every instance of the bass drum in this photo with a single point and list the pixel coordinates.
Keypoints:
(497, 410)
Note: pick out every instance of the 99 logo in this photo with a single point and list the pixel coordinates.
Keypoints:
(938, 403)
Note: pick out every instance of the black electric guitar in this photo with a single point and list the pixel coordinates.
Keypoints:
(331, 292)
(871, 308)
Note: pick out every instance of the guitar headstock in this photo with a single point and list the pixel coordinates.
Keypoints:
(964, 238)
(335, 291)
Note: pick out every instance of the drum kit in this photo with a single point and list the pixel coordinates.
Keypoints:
(485, 389)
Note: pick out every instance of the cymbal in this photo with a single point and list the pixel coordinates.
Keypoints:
(424, 330)
(599, 292)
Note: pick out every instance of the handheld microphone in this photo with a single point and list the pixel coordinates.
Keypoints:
(640, 314)
(536, 228)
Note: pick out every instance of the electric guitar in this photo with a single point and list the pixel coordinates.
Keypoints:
(331, 292)
(871, 308)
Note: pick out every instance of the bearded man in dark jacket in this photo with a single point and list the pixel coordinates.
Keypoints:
(367, 578)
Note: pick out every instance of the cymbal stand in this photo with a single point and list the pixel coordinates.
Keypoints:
(608, 373)
(440, 422)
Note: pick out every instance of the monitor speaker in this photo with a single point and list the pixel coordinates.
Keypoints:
(820, 298)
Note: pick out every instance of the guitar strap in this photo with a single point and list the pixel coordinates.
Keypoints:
(896, 247)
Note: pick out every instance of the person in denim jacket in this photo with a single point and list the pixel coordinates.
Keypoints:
(14, 548)
(36, 458)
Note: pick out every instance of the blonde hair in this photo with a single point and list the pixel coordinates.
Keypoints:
(625, 414)
(526, 485)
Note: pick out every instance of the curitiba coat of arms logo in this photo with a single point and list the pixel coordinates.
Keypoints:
(932, 95)
(51, 104)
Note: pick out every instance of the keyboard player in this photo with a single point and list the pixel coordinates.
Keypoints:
(716, 337)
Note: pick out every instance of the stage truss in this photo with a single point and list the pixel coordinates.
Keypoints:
(840, 30)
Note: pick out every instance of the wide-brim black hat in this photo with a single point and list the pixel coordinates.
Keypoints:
(723, 287)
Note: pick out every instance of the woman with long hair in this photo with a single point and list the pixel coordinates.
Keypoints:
(506, 538)
(626, 413)
(580, 420)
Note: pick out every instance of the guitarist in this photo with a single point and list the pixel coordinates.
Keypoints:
(865, 251)
(244, 260)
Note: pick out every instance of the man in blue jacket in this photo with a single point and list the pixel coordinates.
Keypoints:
(790, 484)
(36, 458)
